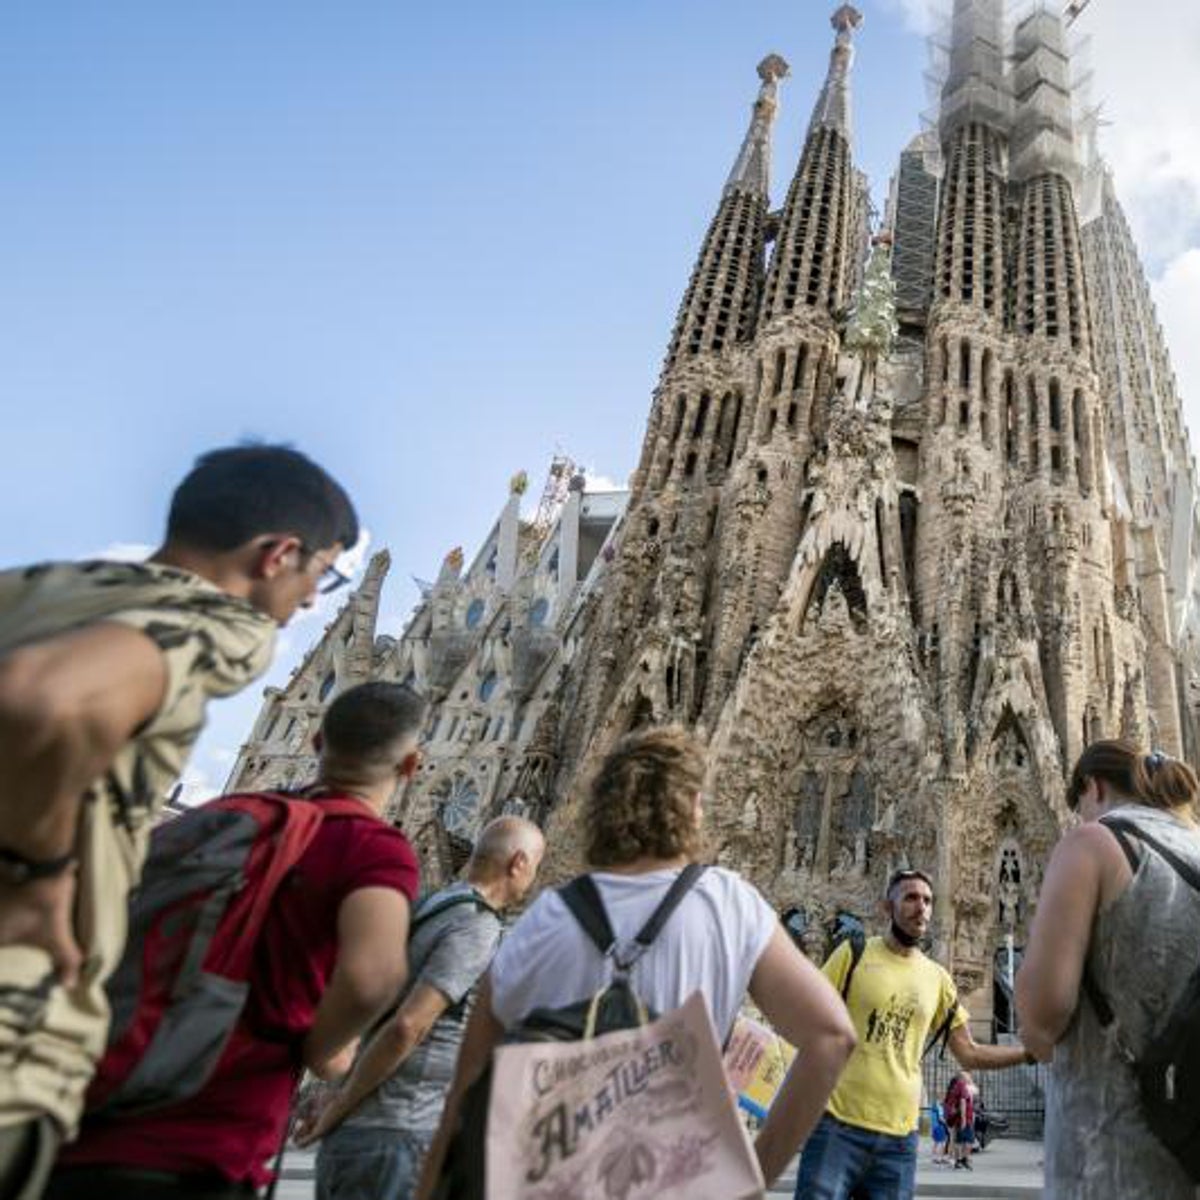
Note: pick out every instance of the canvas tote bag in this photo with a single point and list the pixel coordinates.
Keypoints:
(629, 1115)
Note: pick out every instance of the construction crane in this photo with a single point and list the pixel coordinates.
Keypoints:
(1074, 8)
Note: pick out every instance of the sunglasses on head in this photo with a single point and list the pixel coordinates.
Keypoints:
(905, 874)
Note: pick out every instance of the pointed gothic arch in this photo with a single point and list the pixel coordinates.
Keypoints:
(839, 568)
(1010, 747)
(1008, 594)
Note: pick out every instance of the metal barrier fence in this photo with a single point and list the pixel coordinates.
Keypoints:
(1017, 1094)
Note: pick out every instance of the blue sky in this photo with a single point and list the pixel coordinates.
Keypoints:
(428, 244)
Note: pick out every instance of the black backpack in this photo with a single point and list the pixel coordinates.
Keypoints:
(1168, 1070)
(616, 1007)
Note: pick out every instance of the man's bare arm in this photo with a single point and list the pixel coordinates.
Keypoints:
(67, 706)
(975, 1057)
(400, 1035)
(806, 1010)
(370, 970)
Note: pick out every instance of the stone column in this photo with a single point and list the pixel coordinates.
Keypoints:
(568, 543)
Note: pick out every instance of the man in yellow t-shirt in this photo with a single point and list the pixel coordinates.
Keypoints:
(865, 1146)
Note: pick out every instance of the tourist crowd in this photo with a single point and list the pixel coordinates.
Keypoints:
(165, 986)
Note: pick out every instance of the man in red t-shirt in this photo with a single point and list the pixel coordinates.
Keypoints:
(326, 964)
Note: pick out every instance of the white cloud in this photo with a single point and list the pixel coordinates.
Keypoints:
(197, 783)
(604, 483)
(1146, 80)
(351, 562)
(123, 552)
(919, 15)
(1177, 295)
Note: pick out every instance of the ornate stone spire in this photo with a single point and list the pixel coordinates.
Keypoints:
(721, 301)
(752, 170)
(811, 264)
(833, 104)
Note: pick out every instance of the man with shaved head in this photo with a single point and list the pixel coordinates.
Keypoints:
(376, 1129)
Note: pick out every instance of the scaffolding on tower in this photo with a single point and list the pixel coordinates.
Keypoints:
(1010, 64)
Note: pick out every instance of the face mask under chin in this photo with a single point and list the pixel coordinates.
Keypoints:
(905, 939)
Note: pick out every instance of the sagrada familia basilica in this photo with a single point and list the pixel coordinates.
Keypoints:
(915, 519)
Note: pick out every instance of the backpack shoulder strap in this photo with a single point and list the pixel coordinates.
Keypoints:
(582, 898)
(426, 911)
(1122, 828)
(331, 805)
(942, 1032)
(858, 943)
(296, 825)
(680, 886)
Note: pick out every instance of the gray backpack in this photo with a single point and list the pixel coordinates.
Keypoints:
(1168, 1069)
(194, 922)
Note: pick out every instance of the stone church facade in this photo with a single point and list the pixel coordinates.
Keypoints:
(913, 522)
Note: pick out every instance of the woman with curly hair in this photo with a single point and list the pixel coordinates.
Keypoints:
(643, 826)
(1116, 937)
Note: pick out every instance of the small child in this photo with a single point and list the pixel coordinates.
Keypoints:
(960, 1109)
(940, 1134)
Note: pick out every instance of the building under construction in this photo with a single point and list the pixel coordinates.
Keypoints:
(909, 528)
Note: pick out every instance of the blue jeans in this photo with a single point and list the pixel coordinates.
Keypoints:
(370, 1164)
(844, 1162)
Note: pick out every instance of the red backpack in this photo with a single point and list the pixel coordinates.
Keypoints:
(194, 923)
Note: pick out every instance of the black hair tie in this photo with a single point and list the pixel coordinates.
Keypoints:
(1155, 760)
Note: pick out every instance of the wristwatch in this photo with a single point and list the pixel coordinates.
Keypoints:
(16, 869)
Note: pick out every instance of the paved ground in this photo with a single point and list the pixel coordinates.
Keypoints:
(1008, 1170)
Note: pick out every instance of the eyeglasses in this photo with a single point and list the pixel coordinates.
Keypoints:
(331, 578)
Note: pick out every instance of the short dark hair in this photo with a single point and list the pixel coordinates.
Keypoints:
(902, 875)
(365, 722)
(234, 494)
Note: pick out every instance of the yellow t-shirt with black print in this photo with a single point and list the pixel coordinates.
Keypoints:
(896, 1001)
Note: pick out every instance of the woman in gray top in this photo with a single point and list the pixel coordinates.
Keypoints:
(1130, 920)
